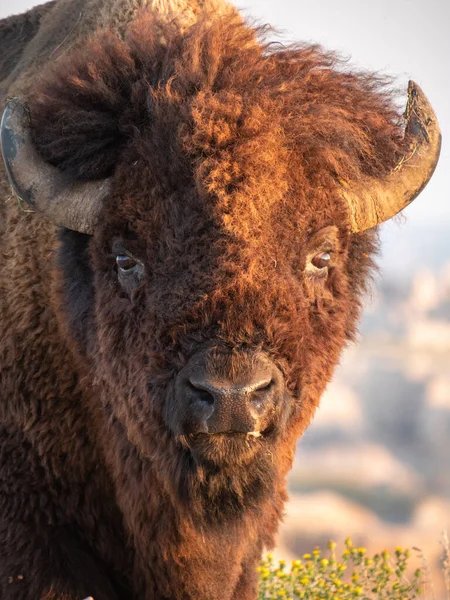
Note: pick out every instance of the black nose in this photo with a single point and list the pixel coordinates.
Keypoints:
(239, 399)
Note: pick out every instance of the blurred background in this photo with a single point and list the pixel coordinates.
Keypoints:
(375, 463)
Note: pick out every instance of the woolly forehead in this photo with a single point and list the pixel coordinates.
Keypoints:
(215, 108)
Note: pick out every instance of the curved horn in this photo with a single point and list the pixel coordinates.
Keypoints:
(48, 191)
(373, 202)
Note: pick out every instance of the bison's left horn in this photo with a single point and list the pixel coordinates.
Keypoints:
(72, 204)
(373, 202)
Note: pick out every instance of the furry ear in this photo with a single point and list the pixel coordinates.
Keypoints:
(78, 106)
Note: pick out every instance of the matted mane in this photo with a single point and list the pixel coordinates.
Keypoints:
(86, 107)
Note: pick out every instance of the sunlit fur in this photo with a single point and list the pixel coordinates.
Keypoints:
(226, 154)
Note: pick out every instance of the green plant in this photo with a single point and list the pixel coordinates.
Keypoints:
(353, 575)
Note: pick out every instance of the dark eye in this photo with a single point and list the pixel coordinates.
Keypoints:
(322, 260)
(125, 263)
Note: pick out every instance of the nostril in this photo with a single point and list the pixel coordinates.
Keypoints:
(200, 393)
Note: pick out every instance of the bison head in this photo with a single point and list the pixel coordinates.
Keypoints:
(217, 197)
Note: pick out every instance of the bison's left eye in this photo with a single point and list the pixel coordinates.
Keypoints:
(321, 260)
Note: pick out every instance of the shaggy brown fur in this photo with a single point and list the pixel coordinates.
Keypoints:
(225, 153)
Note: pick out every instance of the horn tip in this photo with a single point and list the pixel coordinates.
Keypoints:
(415, 96)
(419, 114)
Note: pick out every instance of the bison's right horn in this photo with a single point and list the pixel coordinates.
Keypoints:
(373, 201)
(48, 191)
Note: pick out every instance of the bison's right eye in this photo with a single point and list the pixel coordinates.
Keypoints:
(130, 271)
(126, 263)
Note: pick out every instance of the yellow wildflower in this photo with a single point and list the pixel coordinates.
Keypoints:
(331, 545)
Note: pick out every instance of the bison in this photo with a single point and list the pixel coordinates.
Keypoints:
(188, 223)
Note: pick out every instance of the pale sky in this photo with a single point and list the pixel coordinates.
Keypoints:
(405, 38)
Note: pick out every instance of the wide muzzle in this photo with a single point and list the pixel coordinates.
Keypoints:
(224, 394)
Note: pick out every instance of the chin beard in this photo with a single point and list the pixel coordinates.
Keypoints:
(223, 476)
(224, 449)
